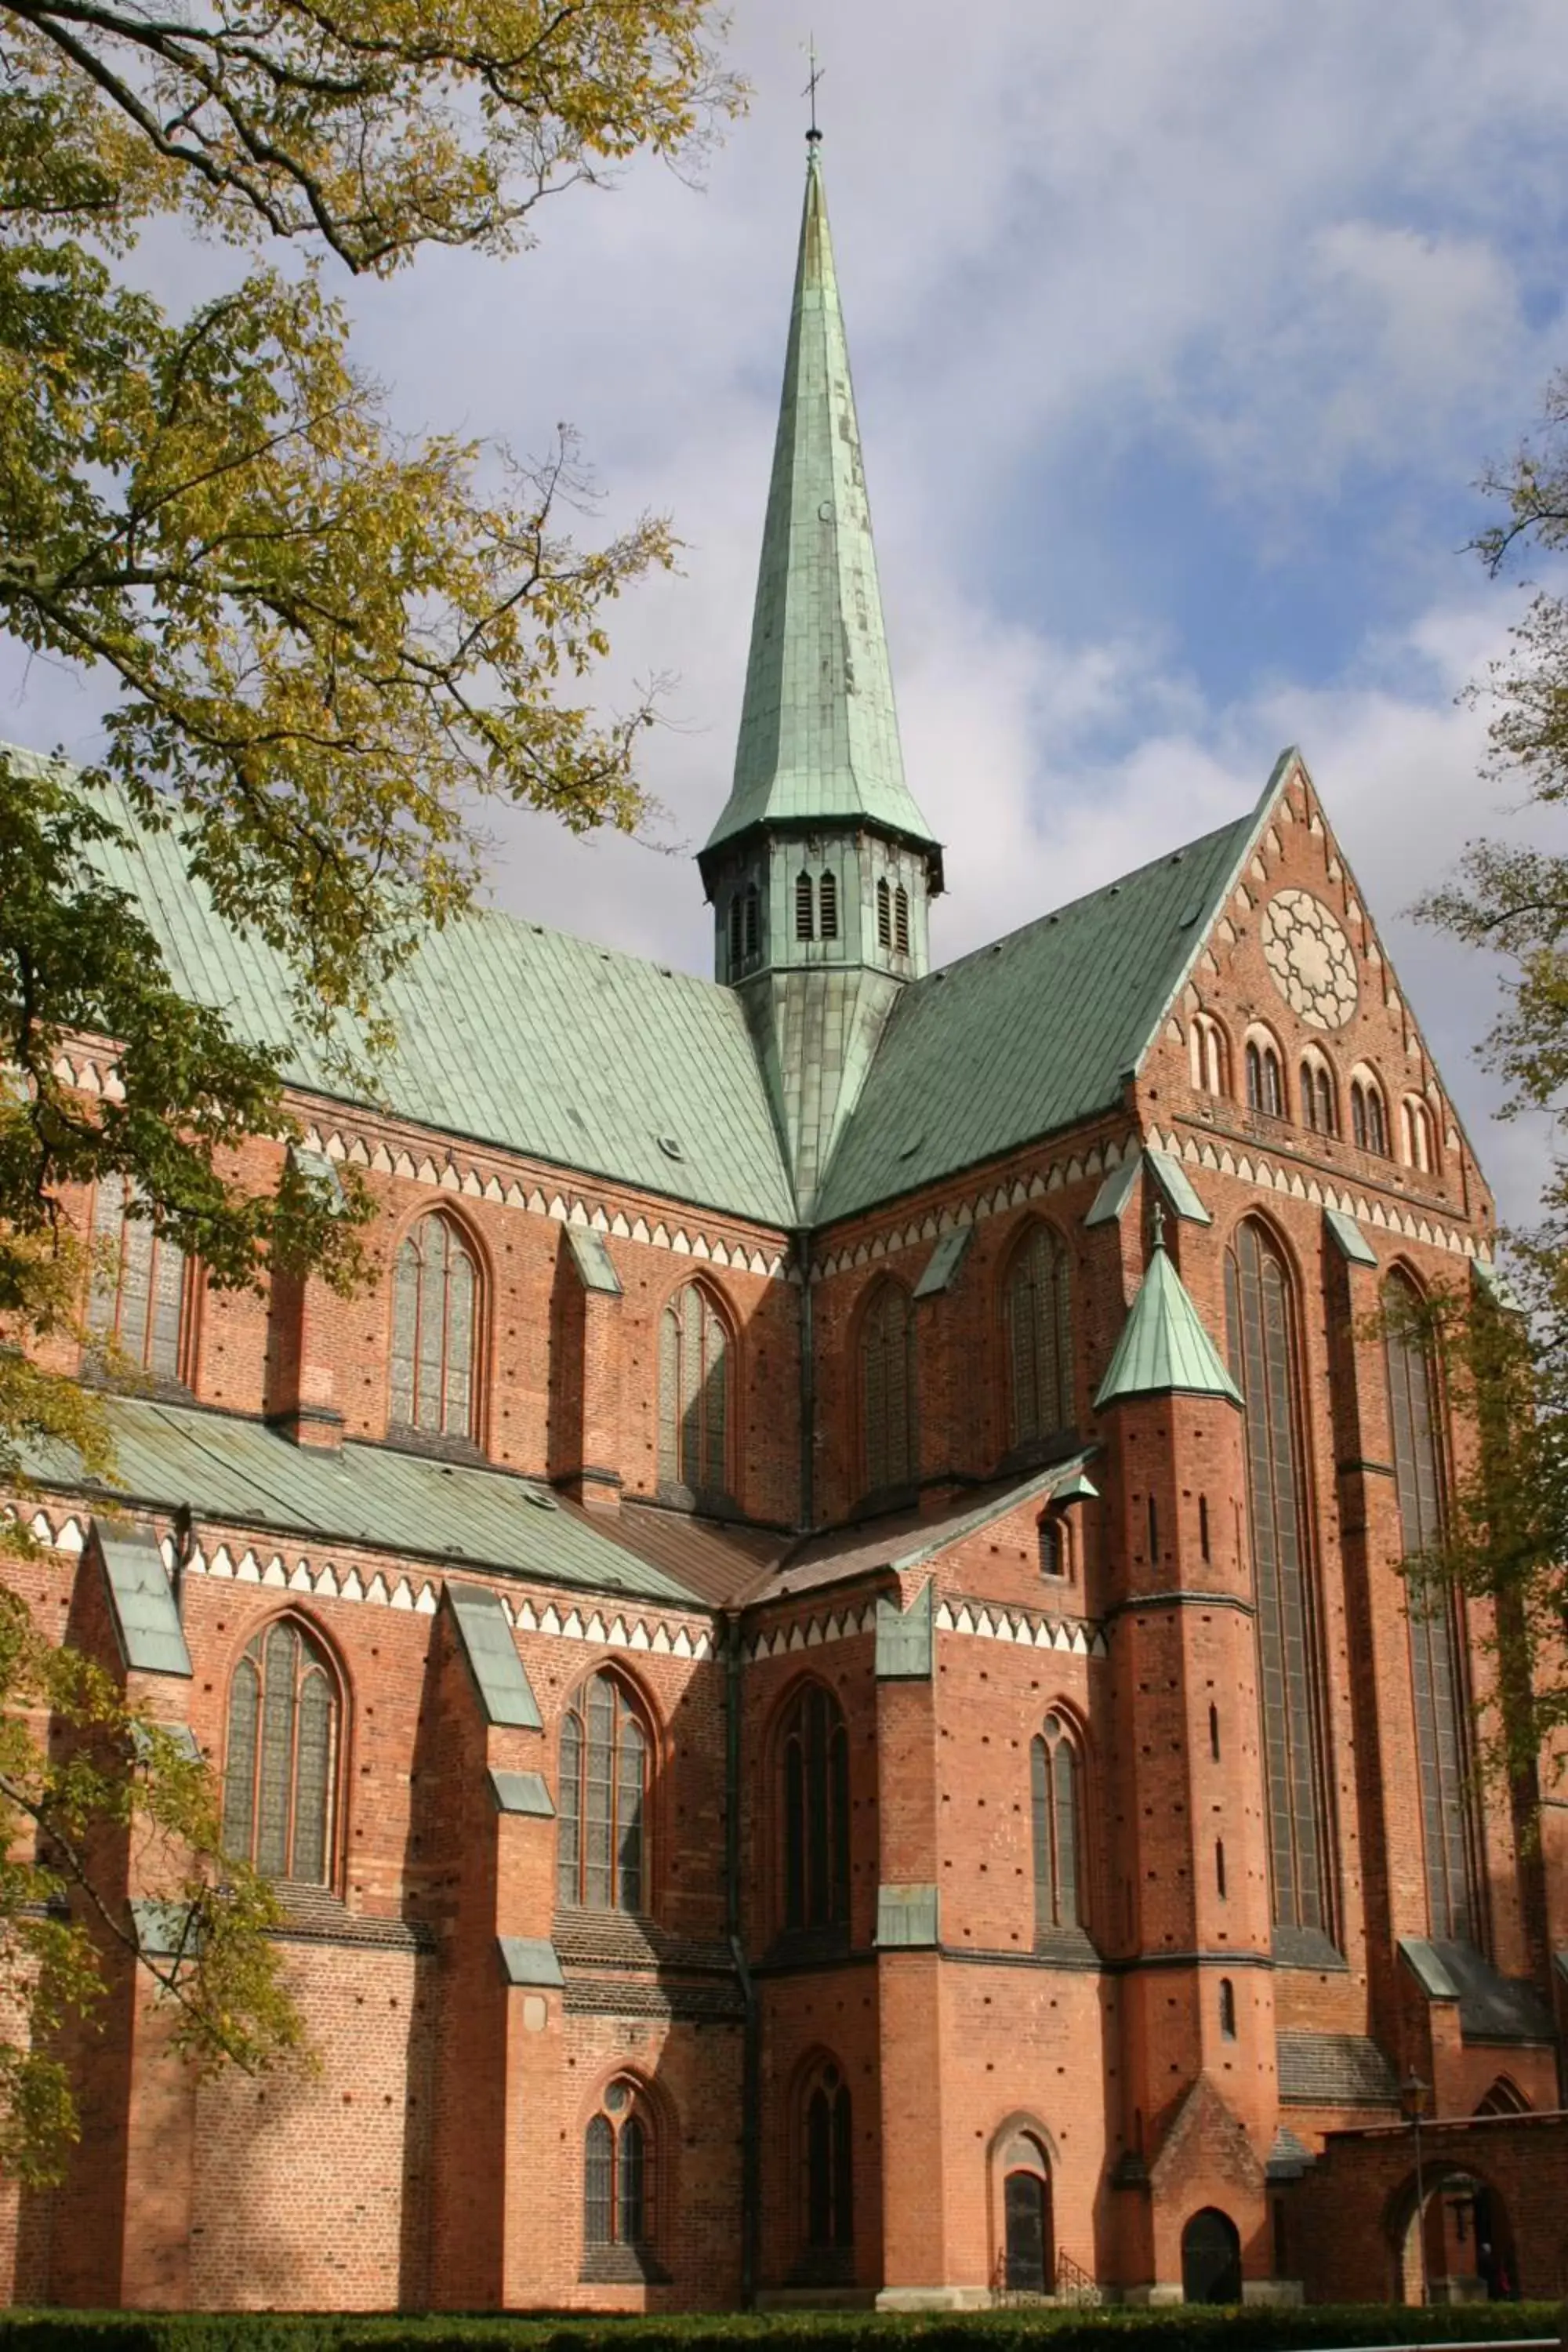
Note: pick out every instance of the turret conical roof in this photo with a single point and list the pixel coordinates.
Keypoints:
(1164, 1346)
(819, 733)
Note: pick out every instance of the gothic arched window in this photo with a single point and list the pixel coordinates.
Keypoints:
(1369, 1124)
(814, 1766)
(1260, 1315)
(1054, 1794)
(693, 1394)
(753, 909)
(884, 913)
(618, 2172)
(887, 1389)
(601, 1845)
(280, 1767)
(435, 1320)
(1435, 1667)
(901, 920)
(1319, 1109)
(1208, 1055)
(139, 1282)
(1416, 1134)
(827, 900)
(737, 918)
(828, 2138)
(1037, 1312)
(1265, 1079)
(803, 927)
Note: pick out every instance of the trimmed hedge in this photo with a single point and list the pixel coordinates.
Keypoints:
(1191, 2328)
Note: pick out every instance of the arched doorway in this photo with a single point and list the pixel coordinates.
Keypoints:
(1030, 2263)
(1469, 2242)
(1211, 2258)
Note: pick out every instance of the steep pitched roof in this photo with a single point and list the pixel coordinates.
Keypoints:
(1164, 1346)
(1033, 1033)
(516, 1035)
(819, 733)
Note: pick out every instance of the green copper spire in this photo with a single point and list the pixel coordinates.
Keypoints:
(1164, 1346)
(819, 734)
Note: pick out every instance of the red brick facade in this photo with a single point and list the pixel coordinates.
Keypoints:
(1162, 2051)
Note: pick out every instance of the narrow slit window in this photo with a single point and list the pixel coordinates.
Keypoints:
(1219, 1868)
(1204, 1526)
(1227, 2009)
(1214, 1733)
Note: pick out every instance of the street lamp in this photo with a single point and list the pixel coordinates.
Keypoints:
(1414, 2094)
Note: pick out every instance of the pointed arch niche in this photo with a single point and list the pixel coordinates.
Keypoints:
(1262, 1325)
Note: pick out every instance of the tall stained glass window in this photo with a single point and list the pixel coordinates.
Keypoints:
(282, 1758)
(601, 1801)
(815, 1767)
(887, 1389)
(694, 1394)
(1037, 1316)
(138, 1294)
(1260, 1316)
(1435, 1668)
(435, 1314)
(1054, 1778)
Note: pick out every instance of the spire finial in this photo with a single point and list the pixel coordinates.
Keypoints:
(813, 136)
(1159, 1224)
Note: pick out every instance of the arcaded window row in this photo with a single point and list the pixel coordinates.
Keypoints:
(1266, 1087)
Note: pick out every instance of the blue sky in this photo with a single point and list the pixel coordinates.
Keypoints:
(1181, 331)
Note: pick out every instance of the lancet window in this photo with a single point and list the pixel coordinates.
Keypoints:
(1260, 1313)
(601, 1801)
(1265, 1077)
(280, 1767)
(694, 1353)
(1369, 1123)
(139, 1284)
(901, 920)
(434, 1331)
(1208, 1055)
(618, 2172)
(1319, 1109)
(1054, 1792)
(884, 913)
(813, 1770)
(828, 2140)
(1037, 1316)
(1430, 1612)
(805, 910)
(827, 903)
(889, 1441)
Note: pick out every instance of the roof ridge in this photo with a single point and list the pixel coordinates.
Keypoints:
(1199, 841)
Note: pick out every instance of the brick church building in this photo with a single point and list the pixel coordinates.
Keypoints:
(820, 1661)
